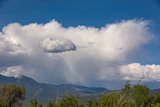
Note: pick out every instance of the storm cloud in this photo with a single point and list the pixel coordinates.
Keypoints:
(78, 55)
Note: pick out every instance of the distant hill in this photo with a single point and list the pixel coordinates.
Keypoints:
(48, 92)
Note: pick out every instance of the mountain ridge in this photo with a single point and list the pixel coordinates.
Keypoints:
(48, 92)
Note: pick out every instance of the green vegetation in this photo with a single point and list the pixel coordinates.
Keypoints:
(130, 96)
(10, 95)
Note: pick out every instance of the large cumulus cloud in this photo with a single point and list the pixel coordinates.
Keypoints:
(79, 55)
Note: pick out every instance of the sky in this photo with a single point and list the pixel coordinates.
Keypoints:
(84, 42)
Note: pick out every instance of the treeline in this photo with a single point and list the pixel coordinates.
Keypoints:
(136, 95)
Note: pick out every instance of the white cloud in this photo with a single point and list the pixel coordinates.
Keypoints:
(136, 71)
(57, 45)
(97, 55)
(12, 71)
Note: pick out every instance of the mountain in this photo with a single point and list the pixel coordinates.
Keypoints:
(48, 92)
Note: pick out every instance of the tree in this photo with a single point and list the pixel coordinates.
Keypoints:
(70, 101)
(140, 94)
(12, 94)
(3, 102)
(49, 104)
(112, 99)
(92, 103)
(154, 100)
(33, 103)
(136, 94)
(126, 89)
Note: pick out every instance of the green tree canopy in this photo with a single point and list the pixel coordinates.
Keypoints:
(11, 94)
(33, 103)
(70, 101)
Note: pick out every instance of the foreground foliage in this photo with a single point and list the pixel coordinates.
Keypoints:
(10, 95)
(130, 96)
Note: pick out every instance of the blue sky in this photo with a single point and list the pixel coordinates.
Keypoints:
(93, 14)
(78, 12)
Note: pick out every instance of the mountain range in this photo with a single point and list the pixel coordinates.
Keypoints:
(47, 92)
